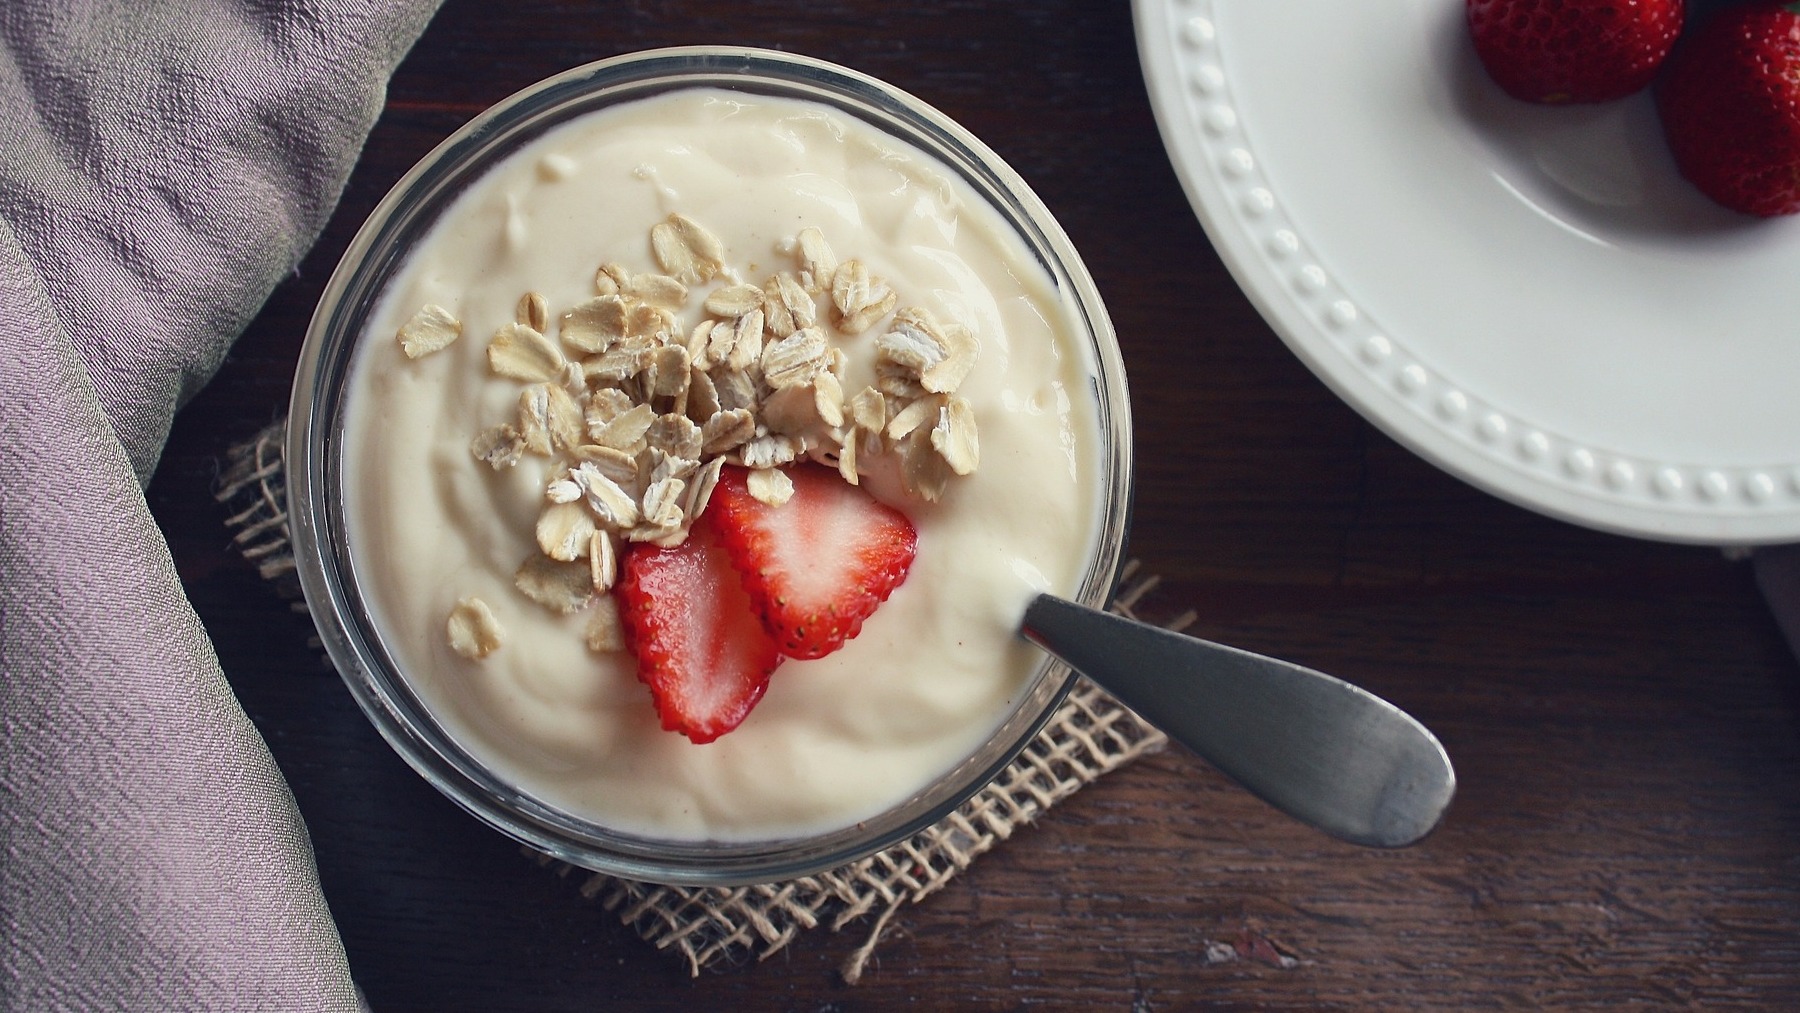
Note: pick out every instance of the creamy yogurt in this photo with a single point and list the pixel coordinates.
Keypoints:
(835, 740)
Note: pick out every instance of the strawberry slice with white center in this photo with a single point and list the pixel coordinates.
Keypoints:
(818, 565)
(699, 645)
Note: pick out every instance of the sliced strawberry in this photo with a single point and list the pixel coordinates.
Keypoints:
(699, 645)
(819, 564)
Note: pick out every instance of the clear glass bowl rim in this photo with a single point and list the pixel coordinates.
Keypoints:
(314, 447)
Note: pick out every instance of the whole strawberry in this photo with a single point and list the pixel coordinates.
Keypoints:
(1562, 51)
(1730, 108)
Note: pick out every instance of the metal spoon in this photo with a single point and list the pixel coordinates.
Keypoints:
(1317, 748)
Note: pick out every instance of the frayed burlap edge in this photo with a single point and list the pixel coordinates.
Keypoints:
(1091, 734)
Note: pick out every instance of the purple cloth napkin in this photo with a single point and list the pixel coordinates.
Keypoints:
(162, 165)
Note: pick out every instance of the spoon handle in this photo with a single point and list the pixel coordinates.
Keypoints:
(1314, 746)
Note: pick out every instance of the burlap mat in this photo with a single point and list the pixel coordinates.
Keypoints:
(1090, 735)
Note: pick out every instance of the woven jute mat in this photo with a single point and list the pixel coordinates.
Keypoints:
(1090, 735)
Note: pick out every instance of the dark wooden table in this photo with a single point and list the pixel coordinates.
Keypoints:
(1622, 713)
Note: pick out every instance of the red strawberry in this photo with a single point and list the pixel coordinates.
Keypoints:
(698, 644)
(1730, 108)
(817, 565)
(1561, 51)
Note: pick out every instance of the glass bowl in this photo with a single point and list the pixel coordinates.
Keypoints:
(316, 450)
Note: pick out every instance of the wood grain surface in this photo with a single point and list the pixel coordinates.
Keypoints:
(1621, 713)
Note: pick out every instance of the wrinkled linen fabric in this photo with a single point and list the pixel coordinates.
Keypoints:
(162, 165)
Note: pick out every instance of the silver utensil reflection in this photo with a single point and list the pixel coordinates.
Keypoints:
(1313, 746)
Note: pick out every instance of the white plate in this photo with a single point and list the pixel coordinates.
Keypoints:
(1530, 298)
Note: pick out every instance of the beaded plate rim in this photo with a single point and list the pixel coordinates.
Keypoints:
(1185, 63)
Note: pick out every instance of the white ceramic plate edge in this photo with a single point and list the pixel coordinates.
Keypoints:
(1480, 443)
